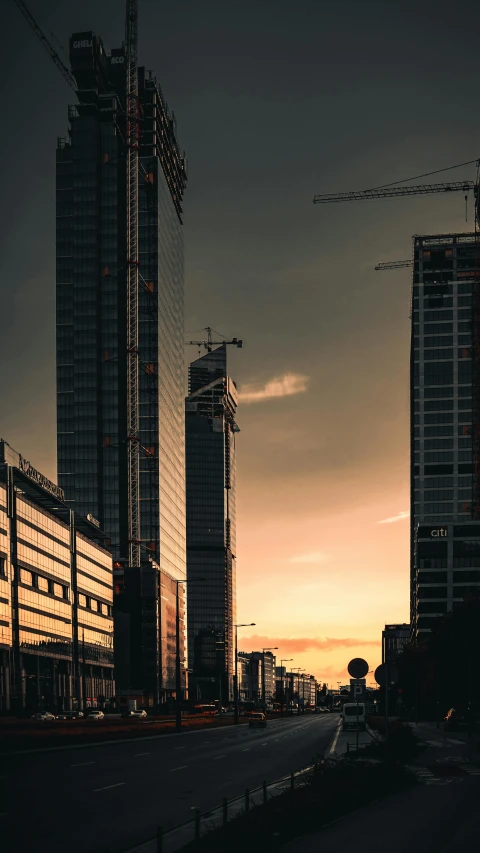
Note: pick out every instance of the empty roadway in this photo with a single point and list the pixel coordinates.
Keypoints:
(111, 797)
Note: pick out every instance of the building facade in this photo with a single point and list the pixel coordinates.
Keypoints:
(211, 525)
(445, 399)
(92, 326)
(394, 638)
(56, 597)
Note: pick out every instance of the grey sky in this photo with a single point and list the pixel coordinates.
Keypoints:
(275, 100)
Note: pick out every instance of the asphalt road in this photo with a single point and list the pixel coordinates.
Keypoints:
(112, 797)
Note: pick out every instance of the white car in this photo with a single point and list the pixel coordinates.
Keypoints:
(95, 715)
(43, 716)
(139, 713)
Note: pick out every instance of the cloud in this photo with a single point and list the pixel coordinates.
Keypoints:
(314, 557)
(280, 386)
(295, 645)
(400, 517)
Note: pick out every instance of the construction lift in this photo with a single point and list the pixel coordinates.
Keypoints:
(396, 190)
(393, 265)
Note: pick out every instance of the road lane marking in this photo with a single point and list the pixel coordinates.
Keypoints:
(179, 747)
(117, 785)
(264, 744)
(206, 741)
(183, 767)
(218, 756)
(246, 750)
(140, 753)
(276, 740)
(335, 739)
(84, 764)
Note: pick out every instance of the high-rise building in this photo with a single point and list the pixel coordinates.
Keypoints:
(445, 415)
(56, 596)
(92, 338)
(211, 525)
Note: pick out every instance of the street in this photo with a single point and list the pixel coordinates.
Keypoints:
(112, 797)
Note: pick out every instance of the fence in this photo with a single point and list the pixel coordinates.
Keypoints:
(170, 840)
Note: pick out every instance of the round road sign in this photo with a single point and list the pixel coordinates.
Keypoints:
(358, 668)
(381, 675)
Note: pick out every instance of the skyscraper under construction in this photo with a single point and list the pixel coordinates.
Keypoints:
(95, 351)
(211, 525)
(445, 442)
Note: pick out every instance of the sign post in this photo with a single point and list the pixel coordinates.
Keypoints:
(386, 676)
(357, 668)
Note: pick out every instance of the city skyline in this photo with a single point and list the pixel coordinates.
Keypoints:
(331, 393)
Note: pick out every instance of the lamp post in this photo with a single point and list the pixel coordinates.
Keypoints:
(235, 685)
(297, 669)
(178, 668)
(268, 649)
(282, 661)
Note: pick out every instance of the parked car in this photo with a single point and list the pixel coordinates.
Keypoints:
(257, 720)
(95, 715)
(70, 715)
(139, 714)
(43, 716)
(456, 719)
(353, 715)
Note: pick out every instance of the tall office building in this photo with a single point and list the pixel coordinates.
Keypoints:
(92, 341)
(211, 525)
(445, 412)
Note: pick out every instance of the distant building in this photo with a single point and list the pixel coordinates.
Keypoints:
(267, 662)
(56, 596)
(445, 413)
(211, 525)
(394, 638)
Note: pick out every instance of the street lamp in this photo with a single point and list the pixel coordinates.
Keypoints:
(267, 649)
(235, 686)
(178, 668)
(282, 661)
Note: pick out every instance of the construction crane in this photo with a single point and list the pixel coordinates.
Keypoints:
(393, 265)
(133, 438)
(48, 47)
(209, 343)
(395, 192)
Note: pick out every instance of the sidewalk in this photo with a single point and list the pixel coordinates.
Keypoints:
(439, 816)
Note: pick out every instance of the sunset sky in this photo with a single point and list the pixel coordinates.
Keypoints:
(275, 100)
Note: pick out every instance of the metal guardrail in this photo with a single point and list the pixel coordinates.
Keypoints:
(174, 839)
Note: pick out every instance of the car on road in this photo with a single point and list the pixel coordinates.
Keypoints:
(43, 716)
(139, 714)
(456, 719)
(70, 715)
(257, 720)
(95, 715)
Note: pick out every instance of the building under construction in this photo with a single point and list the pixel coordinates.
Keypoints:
(445, 412)
(211, 525)
(120, 341)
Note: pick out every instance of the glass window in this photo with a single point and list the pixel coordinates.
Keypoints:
(26, 577)
(42, 583)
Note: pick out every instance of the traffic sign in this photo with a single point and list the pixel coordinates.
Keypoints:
(358, 668)
(381, 675)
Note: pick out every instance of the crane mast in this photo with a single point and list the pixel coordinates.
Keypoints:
(133, 438)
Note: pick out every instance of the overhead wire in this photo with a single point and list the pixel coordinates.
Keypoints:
(425, 175)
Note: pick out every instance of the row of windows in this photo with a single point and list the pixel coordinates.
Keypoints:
(43, 584)
(93, 604)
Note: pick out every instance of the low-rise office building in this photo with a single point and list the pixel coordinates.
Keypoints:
(56, 597)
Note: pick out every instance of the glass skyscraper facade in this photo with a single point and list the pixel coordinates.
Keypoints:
(211, 525)
(445, 540)
(92, 316)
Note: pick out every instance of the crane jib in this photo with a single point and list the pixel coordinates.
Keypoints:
(397, 192)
